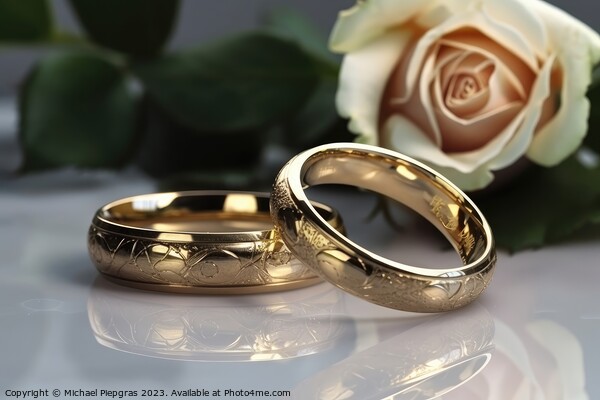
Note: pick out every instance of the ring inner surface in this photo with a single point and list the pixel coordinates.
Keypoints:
(204, 222)
(239, 212)
(410, 185)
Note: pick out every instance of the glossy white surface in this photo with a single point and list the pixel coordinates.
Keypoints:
(531, 336)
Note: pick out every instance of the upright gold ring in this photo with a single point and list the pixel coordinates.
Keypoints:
(367, 275)
(198, 242)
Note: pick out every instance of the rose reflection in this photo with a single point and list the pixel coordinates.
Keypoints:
(540, 360)
(424, 362)
(243, 328)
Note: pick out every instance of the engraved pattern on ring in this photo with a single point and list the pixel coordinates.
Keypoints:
(194, 264)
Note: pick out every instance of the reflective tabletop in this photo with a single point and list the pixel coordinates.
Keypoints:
(531, 335)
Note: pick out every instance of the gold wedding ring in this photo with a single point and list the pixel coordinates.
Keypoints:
(197, 242)
(365, 274)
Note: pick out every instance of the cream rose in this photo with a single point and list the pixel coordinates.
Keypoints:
(466, 86)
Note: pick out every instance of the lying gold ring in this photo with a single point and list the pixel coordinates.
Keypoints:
(357, 270)
(197, 242)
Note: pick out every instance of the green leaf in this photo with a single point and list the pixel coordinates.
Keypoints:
(318, 122)
(216, 179)
(171, 149)
(76, 109)
(595, 76)
(24, 20)
(249, 81)
(293, 25)
(317, 117)
(546, 205)
(592, 138)
(135, 27)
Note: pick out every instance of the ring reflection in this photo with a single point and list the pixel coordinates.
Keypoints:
(203, 328)
(421, 363)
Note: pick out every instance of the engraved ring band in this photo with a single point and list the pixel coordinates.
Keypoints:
(365, 274)
(197, 242)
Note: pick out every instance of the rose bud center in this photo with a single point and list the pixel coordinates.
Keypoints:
(465, 90)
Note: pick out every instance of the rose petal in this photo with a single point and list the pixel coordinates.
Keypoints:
(476, 64)
(508, 37)
(577, 49)
(436, 14)
(464, 108)
(558, 21)
(520, 76)
(515, 14)
(451, 62)
(363, 77)
(472, 170)
(510, 22)
(480, 156)
(478, 179)
(426, 101)
(424, 47)
(365, 21)
(461, 135)
(417, 68)
(447, 60)
(467, 134)
(398, 98)
(522, 139)
(402, 134)
(466, 162)
(453, 33)
(410, 140)
(475, 67)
